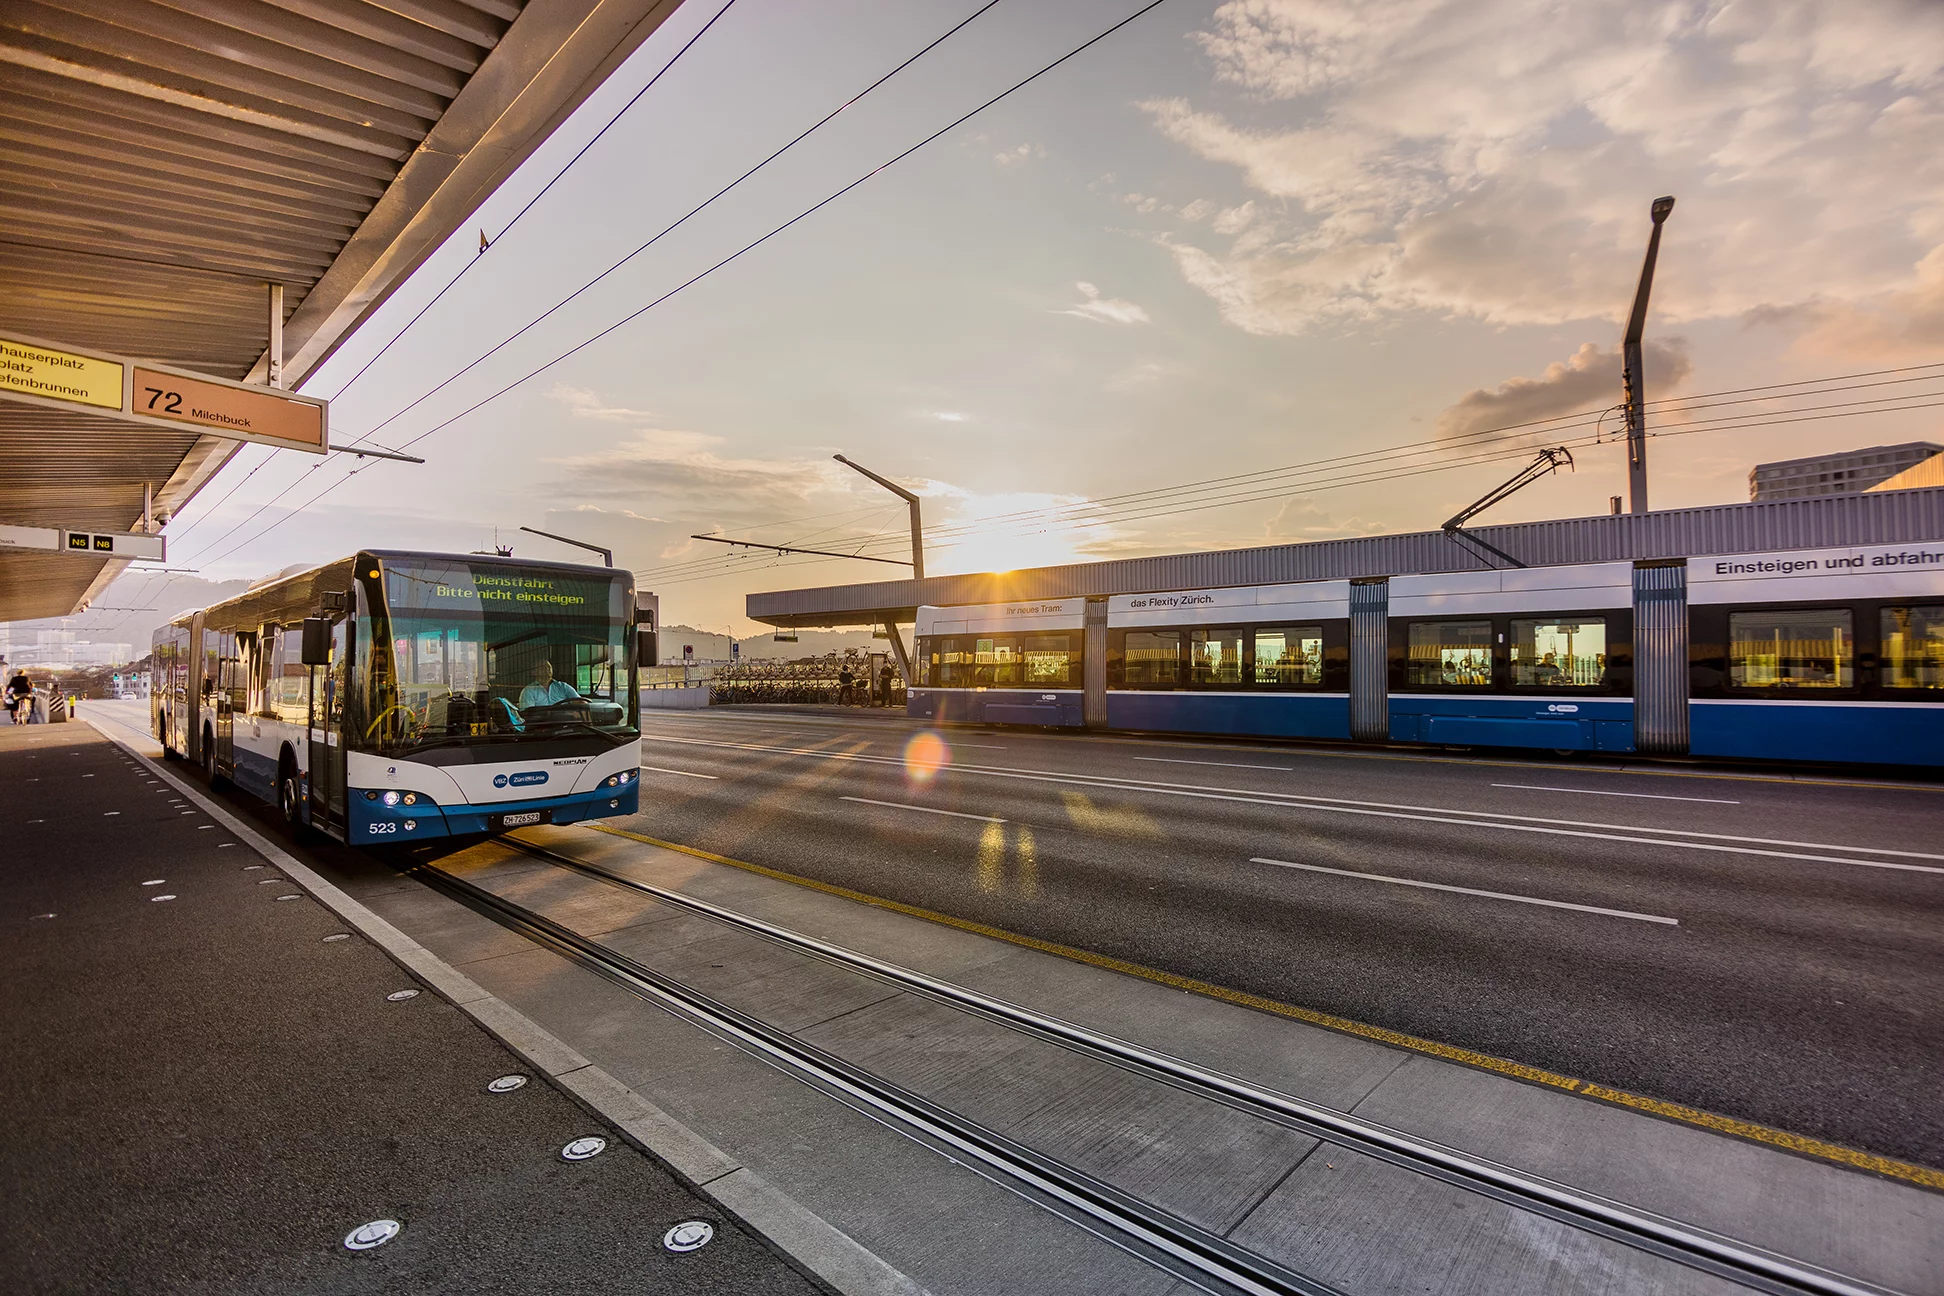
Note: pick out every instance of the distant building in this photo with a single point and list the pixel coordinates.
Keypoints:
(1849, 473)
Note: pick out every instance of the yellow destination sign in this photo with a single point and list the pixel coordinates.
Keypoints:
(33, 370)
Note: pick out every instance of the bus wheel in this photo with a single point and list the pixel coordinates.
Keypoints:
(210, 775)
(290, 796)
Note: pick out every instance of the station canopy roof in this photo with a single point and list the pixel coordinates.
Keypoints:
(163, 161)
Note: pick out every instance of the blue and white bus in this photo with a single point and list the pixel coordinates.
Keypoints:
(395, 696)
(1822, 655)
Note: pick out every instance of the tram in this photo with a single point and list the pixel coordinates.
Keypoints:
(1811, 655)
(396, 696)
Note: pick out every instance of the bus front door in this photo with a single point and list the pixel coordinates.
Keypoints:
(228, 677)
(327, 734)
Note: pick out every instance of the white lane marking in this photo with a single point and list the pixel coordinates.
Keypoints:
(980, 746)
(1163, 760)
(1473, 891)
(684, 773)
(1646, 796)
(899, 805)
(1388, 810)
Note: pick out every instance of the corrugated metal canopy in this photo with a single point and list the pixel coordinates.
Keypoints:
(1894, 517)
(162, 161)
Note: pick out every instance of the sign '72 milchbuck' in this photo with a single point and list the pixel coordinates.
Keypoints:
(42, 373)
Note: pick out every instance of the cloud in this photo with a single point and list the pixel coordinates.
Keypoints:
(1300, 519)
(1902, 325)
(1106, 310)
(1589, 379)
(1494, 159)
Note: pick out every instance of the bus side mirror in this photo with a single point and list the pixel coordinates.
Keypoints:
(317, 641)
(646, 652)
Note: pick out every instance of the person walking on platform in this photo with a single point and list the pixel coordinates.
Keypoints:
(20, 697)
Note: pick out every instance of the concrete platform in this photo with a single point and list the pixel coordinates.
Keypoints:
(208, 1085)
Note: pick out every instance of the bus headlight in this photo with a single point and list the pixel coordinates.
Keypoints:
(411, 798)
(410, 824)
(622, 779)
(391, 798)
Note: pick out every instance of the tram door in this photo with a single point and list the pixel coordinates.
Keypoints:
(327, 731)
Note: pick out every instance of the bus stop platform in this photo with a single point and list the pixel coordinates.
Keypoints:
(213, 1082)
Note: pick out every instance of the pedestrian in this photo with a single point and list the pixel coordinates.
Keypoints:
(20, 697)
(844, 682)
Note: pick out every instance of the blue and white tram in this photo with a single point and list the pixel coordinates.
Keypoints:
(398, 696)
(1003, 663)
(1811, 655)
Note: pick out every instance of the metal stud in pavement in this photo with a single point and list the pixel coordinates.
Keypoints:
(506, 1084)
(157, 899)
(400, 996)
(689, 1235)
(583, 1149)
(337, 936)
(375, 1234)
(292, 896)
(155, 882)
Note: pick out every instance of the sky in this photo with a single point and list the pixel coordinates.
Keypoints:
(1227, 238)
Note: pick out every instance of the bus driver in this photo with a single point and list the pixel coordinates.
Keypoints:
(545, 689)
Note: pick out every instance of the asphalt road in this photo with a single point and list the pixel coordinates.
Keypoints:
(1761, 947)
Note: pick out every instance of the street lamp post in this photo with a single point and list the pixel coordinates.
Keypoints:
(917, 523)
(1630, 374)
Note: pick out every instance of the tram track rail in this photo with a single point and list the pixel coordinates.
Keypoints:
(1197, 1255)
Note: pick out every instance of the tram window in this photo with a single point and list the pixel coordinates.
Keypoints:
(1049, 660)
(1215, 656)
(995, 662)
(1913, 647)
(1153, 658)
(1286, 656)
(954, 664)
(1450, 654)
(1559, 654)
(1814, 648)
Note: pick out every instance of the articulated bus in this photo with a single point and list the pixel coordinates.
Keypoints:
(1825, 656)
(393, 696)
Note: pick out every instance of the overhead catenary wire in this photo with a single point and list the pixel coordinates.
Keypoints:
(678, 222)
(544, 190)
(1351, 475)
(450, 284)
(1273, 483)
(731, 258)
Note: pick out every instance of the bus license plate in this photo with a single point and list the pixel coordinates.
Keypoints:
(520, 820)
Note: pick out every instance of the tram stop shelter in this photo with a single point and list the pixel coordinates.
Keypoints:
(212, 198)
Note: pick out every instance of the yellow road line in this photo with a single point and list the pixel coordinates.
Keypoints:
(1798, 1143)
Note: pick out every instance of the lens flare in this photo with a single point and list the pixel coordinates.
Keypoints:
(924, 756)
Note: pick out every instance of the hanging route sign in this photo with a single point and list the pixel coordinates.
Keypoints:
(42, 373)
(255, 413)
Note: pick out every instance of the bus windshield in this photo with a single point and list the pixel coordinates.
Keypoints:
(466, 650)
